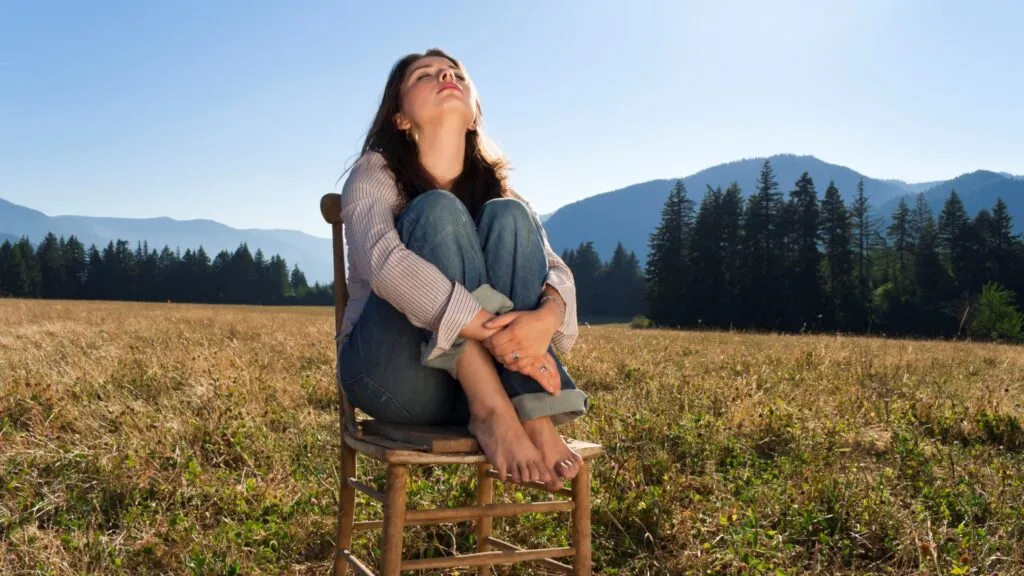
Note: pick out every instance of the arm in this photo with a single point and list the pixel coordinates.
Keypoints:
(560, 284)
(411, 284)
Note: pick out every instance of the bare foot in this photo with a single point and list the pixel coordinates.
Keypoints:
(553, 449)
(508, 447)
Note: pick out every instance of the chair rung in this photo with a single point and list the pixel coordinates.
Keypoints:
(482, 558)
(372, 493)
(546, 561)
(367, 525)
(489, 510)
(538, 485)
(440, 515)
(356, 563)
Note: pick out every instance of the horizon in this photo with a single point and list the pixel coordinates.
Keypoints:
(213, 112)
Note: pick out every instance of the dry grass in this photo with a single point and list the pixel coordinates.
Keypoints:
(173, 439)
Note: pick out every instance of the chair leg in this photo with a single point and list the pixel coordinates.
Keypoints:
(394, 520)
(346, 509)
(484, 496)
(581, 521)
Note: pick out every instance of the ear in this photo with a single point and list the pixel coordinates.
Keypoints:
(401, 122)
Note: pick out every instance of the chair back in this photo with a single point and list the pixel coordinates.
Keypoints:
(330, 209)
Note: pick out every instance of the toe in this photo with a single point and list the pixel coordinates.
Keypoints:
(570, 468)
(537, 472)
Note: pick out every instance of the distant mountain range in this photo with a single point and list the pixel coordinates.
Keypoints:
(310, 253)
(978, 190)
(630, 214)
(627, 215)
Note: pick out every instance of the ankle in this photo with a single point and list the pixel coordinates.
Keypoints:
(487, 410)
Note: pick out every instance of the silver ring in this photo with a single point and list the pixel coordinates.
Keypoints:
(515, 356)
(543, 368)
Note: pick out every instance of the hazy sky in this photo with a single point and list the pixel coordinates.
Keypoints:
(247, 111)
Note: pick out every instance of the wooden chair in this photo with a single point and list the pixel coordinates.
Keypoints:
(400, 447)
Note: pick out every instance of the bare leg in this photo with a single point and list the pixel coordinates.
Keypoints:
(493, 420)
(553, 449)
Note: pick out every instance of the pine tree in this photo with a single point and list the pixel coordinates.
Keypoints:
(707, 260)
(931, 278)
(587, 276)
(841, 311)
(75, 268)
(731, 246)
(763, 234)
(298, 281)
(6, 269)
(666, 270)
(51, 267)
(622, 285)
(955, 241)
(277, 278)
(23, 276)
(1003, 243)
(902, 243)
(805, 284)
(867, 237)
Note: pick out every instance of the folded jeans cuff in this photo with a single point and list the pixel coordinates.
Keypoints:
(489, 299)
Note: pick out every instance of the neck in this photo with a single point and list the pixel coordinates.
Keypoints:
(442, 151)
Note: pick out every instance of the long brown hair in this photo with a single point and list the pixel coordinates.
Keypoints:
(483, 174)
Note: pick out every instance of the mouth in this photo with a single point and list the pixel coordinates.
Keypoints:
(449, 86)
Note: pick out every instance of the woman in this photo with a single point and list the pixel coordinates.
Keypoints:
(456, 300)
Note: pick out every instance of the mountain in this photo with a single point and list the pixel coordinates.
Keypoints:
(310, 253)
(914, 188)
(630, 214)
(8, 237)
(978, 190)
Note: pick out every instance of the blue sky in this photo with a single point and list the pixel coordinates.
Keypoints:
(247, 111)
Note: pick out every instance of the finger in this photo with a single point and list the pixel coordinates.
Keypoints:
(502, 469)
(516, 476)
(555, 383)
(523, 365)
(501, 320)
(505, 343)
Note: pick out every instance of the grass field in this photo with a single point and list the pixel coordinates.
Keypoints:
(174, 439)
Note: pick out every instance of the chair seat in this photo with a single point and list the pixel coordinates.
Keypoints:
(408, 444)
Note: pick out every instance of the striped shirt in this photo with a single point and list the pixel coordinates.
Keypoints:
(380, 262)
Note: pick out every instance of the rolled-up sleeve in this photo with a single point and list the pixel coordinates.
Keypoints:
(411, 284)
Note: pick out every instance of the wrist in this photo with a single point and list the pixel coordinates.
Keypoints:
(553, 311)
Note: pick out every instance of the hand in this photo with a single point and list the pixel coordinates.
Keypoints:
(545, 372)
(527, 333)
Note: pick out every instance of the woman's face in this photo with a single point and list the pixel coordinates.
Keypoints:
(433, 90)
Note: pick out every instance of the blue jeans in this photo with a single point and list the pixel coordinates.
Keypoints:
(380, 367)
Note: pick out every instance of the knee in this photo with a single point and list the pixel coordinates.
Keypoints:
(506, 214)
(439, 211)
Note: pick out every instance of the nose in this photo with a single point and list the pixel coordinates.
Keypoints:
(447, 75)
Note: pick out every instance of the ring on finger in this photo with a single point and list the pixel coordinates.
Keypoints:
(515, 356)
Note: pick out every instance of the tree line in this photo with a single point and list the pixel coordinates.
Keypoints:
(800, 264)
(59, 268)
